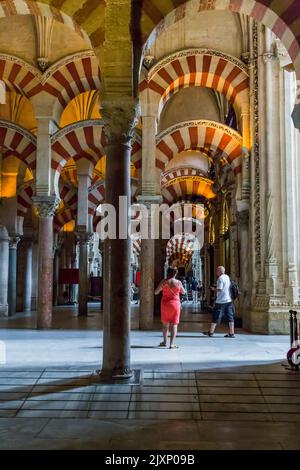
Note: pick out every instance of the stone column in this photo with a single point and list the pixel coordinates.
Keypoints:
(83, 242)
(271, 264)
(46, 206)
(12, 275)
(148, 197)
(56, 274)
(120, 119)
(147, 259)
(34, 275)
(243, 226)
(27, 279)
(4, 256)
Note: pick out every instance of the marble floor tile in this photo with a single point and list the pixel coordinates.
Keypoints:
(156, 397)
(109, 406)
(164, 415)
(111, 414)
(165, 390)
(50, 413)
(235, 407)
(232, 416)
(163, 406)
(228, 391)
(214, 398)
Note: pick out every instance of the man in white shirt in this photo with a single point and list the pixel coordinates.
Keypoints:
(223, 304)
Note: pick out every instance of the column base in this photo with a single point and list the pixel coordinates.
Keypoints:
(4, 310)
(270, 316)
(119, 374)
(134, 379)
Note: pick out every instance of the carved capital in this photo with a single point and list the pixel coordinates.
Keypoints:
(83, 238)
(46, 205)
(13, 242)
(120, 118)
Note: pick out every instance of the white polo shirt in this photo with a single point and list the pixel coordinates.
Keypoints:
(223, 286)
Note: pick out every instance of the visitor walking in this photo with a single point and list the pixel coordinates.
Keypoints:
(223, 304)
(170, 306)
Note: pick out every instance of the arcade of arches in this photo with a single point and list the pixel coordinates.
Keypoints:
(171, 102)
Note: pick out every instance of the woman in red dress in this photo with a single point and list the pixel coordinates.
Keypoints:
(170, 305)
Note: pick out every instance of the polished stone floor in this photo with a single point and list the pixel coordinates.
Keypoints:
(211, 393)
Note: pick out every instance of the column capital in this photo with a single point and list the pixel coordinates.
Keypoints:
(13, 242)
(45, 205)
(120, 116)
(83, 238)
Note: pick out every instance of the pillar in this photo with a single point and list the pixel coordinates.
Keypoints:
(46, 206)
(12, 275)
(56, 274)
(34, 283)
(120, 119)
(4, 256)
(243, 227)
(27, 277)
(148, 197)
(83, 242)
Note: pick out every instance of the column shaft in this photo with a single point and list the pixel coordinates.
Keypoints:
(45, 273)
(27, 279)
(83, 276)
(4, 257)
(116, 347)
(12, 276)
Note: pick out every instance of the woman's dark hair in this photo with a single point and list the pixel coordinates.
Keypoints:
(171, 272)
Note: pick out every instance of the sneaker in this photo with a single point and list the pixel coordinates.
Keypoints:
(207, 333)
(229, 336)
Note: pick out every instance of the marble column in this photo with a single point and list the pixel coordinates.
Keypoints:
(46, 206)
(148, 197)
(83, 242)
(34, 283)
(27, 278)
(243, 226)
(4, 257)
(56, 276)
(12, 275)
(120, 120)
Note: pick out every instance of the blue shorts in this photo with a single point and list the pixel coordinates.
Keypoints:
(223, 309)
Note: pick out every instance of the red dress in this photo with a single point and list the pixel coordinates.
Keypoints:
(170, 304)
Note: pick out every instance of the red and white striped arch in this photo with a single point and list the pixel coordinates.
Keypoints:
(24, 198)
(282, 17)
(136, 152)
(17, 141)
(183, 182)
(96, 196)
(180, 249)
(64, 80)
(206, 136)
(198, 67)
(82, 140)
(68, 194)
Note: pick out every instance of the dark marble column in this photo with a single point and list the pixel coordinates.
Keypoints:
(27, 278)
(4, 259)
(12, 275)
(46, 206)
(119, 121)
(83, 241)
